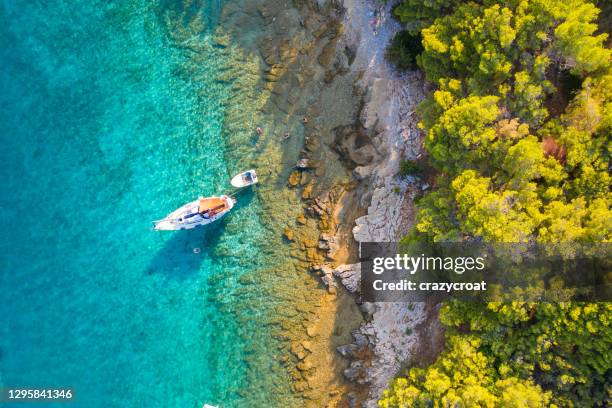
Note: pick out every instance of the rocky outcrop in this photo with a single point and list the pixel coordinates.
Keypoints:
(326, 273)
(388, 339)
(350, 276)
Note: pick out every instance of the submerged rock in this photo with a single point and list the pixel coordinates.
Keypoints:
(307, 345)
(311, 331)
(301, 219)
(305, 365)
(307, 191)
(303, 163)
(294, 178)
(298, 351)
(306, 177)
(311, 144)
(273, 73)
(288, 233)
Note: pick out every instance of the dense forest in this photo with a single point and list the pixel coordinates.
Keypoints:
(517, 133)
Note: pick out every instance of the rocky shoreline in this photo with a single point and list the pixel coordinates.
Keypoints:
(348, 119)
(392, 333)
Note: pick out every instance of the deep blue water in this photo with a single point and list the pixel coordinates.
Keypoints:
(100, 134)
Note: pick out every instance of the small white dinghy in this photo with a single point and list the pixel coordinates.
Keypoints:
(245, 179)
(202, 211)
(208, 406)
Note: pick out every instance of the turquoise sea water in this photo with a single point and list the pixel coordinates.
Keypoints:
(101, 133)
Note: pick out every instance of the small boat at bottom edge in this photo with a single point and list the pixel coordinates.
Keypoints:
(202, 211)
(244, 179)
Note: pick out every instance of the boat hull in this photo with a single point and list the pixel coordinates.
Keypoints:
(187, 216)
(244, 179)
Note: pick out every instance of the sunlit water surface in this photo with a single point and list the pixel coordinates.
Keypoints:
(102, 133)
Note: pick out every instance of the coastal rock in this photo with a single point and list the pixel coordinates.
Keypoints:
(306, 177)
(298, 351)
(352, 399)
(389, 133)
(273, 73)
(329, 281)
(305, 163)
(360, 340)
(311, 144)
(329, 243)
(307, 345)
(381, 222)
(307, 191)
(288, 233)
(368, 308)
(347, 350)
(327, 53)
(294, 178)
(321, 206)
(305, 365)
(327, 277)
(350, 276)
(301, 219)
(354, 146)
(356, 372)
(300, 386)
(362, 172)
(311, 331)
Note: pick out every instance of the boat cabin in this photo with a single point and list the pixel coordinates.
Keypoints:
(211, 205)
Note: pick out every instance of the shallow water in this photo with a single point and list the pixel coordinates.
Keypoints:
(106, 124)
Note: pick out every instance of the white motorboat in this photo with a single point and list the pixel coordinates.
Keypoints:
(208, 406)
(245, 179)
(202, 211)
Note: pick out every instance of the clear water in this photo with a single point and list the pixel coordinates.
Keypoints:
(101, 133)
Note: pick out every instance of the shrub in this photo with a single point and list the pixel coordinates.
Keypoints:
(410, 168)
(403, 50)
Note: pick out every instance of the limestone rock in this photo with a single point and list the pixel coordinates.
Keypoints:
(356, 372)
(288, 233)
(327, 277)
(327, 53)
(305, 365)
(350, 276)
(304, 163)
(307, 191)
(307, 345)
(311, 331)
(352, 399)
(273, 73)
(311, 144)
(329, 243)
(306, 177)
(348, 350)
(294, 178)
(362, 172)
(301, 219)
(368, 308)
(298, 351)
